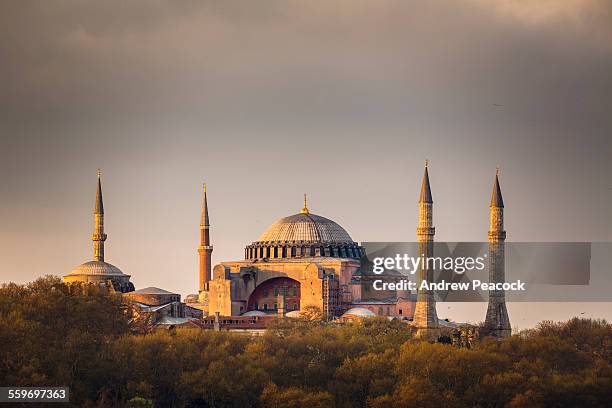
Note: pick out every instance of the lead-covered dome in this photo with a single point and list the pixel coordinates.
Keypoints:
(100, 272)
(307, 228)
(360, 312)
(303, 235)
(96, 268)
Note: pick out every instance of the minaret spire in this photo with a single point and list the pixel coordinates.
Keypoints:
(497, 321)
(496, 195)
(425, 188)
(98, 237)
(204, 222)
(425, 318)
(205, 249)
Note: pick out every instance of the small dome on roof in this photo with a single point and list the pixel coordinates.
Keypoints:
(254, 313)
(151, 290)
(359, 312)
(293, 314)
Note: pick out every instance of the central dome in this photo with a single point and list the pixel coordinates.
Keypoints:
(303, 235)
(305, 227)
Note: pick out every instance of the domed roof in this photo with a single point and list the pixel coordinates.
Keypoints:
(305, 227)
(359, 312)
(151, 290)
(254, 313)
(96, 268)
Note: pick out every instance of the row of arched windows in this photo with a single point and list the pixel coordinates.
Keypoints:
(300, 251)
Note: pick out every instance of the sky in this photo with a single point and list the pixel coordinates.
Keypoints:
(265, 101)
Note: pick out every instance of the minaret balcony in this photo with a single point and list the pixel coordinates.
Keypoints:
(497, 235)
(426, 231)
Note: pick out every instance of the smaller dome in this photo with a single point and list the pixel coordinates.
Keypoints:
(254, 313)
(293, 314)
(97, 268)
(153, 291)
(359, 312)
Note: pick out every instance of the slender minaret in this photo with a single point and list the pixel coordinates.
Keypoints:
(98, 237)
(205, 249)
(497, 316)
(425, 318)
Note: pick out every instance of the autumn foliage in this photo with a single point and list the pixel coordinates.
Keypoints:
(55, 335)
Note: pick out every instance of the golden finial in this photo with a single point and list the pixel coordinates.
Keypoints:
(305, 209)
(204, 185)
(497, 170)
(99, 173)
(426, 163)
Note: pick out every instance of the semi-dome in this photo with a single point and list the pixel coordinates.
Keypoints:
(303, 235)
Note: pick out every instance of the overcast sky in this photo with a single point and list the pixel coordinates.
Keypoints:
(267, 100)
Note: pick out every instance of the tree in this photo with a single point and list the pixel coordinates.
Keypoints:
(294, 397)
(83, 336)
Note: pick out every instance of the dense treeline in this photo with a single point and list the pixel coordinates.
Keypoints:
(52, 334)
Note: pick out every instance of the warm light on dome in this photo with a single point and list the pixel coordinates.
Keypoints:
(305, 227)
(96, 268)
(303, 235)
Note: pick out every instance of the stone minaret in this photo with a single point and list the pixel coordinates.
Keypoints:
(425, 318)
(205, 249)
(497, 316)
(98, 237)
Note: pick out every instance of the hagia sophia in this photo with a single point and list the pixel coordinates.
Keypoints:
(301, 261)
